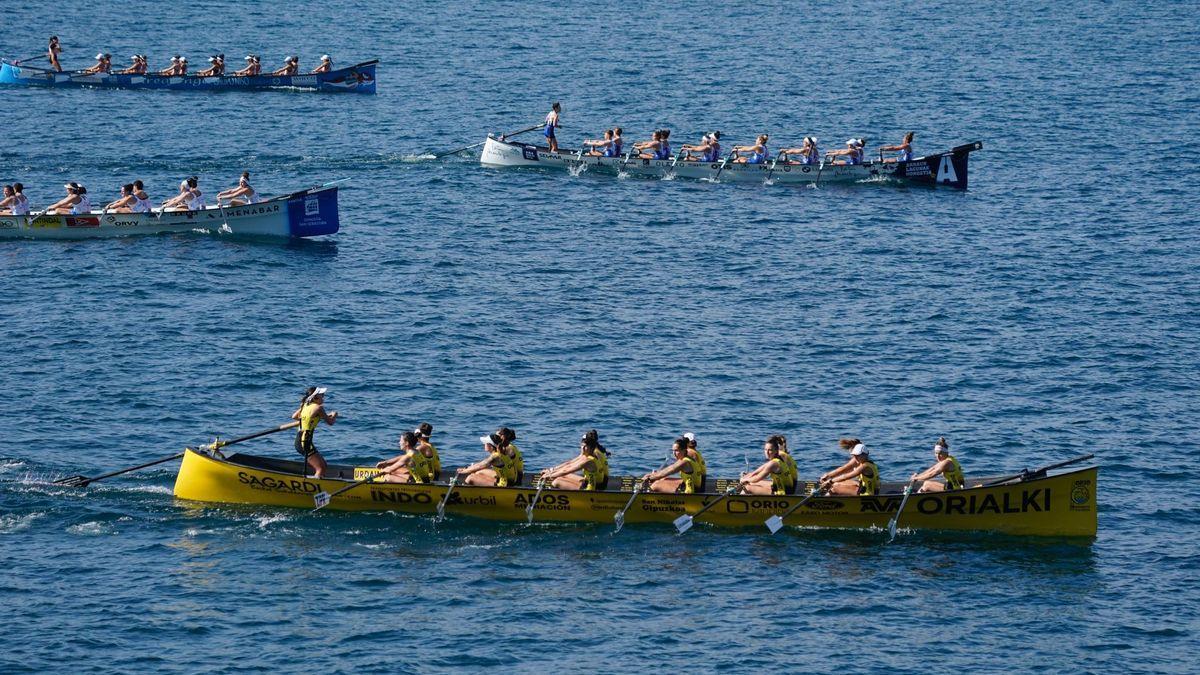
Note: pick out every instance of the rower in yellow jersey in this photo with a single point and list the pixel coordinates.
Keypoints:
(858, 476)
(496, 470)
(694, 453)
(947, 466)
(414, 465)
(771, 477)
(507, 436)
(685, 465)
(311, 413)
(789, 464)
(587, 471)
(423, 431)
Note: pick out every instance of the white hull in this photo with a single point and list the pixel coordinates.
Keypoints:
(949, 168)
(302, 214)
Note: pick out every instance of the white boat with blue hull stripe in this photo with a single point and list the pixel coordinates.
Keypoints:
(943, 168)
(307, 213)
(358, 78)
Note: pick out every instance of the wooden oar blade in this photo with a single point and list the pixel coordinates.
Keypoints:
(321, 500)
(683, 523)
(774, 523)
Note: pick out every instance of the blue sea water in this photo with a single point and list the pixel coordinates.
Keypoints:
(1050, 310)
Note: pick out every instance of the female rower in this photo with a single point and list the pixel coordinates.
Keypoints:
(694, 453)
(103, 65)
(552, 124)
(758, 151)
(52, 53)
(853, 152)
(423, 431)
(195, 198)
(171, 69)
(595, 145)
(807, 152)
(182, 66)
(142, 200)
(179, 201)
(71, 203)
(8, 204)
(904, 148)
(253, 67)
(771, 477)
(709, 148)
(413, 465)
(859, 476)
(125, 203)
(507, 436)
(689, 481)
(291, 66)
(216, 67)
(789, 464)
(618, 142)
(241, 195)
(588, 471)
(135, 66)
(311, 413)
(497, 469)
(946, 465)
(650, 149)
(326, 65)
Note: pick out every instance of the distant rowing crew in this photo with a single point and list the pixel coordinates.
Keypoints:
(133, 199)
(709, 148)
(140, 65)
(504, 464)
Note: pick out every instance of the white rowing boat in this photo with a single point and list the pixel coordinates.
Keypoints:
(943, 168)
(307, 213)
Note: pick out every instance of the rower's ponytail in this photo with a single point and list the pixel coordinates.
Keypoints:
(307, 393)
(849, 443)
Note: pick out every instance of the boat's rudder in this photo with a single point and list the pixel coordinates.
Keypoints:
(312, 214)
(946, 168)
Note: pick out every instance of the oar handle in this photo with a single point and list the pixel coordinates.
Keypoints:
(1042, 470)
(215, 445)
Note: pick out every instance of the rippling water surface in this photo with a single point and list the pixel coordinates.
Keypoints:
(1050, 310)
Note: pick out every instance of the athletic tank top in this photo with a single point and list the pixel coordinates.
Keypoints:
(505, 468)
(420, 466)
(868, 480)
(789, 465)
(21, 207)
(758, 157)
(954, 475)
(664, 150)
(690, 480)
(779, 478)
(140, 205)
(714, 153)
(905, 156)
(84, 205)
(308, 417)
(195, 202)
(699, 459)
(592, 480)
(617, 146)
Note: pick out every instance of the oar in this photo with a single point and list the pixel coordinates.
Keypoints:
(684, 523)
(441, 507)
(775, 523)
(322, 498)
(82, 481)
(1027, 474)
(619, 516)
(536, 495)
(773, 165)
(724, 163)
(32, 58)
(896, 518)
(476, 145)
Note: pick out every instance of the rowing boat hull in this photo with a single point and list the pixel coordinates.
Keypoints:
(309, 213)
(946, 168)
(1057, 505)
(359, 79)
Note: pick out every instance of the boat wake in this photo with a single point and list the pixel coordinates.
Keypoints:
(10, 523)
(576, 170)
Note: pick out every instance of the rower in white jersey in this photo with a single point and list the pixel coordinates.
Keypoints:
(807, 153)
(125, 203)
(180, 200)
(904, 148)
(241, 195)
(66, 204)
(195, 201)
(141, 203)
(709, 148)
(8, 201)
(326, 65)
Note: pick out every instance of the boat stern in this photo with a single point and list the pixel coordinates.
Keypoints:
(945, 168)
(9, 74)
(503, 153)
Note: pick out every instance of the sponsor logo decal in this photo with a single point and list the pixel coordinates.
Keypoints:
(765, 504)
(529, 153)
(824, 504)
(974, 505)
(83, 222)
(311, 206)
(916, 169)
(1081, 495)
(544, 503)
(946, 173)
(400, 497)
(7, 224)
(269, 484)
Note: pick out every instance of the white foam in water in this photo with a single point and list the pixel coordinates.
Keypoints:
(576, 170)
(10, 523)
(7, 465)
(90, 529)
(264, 521)
(423, 157)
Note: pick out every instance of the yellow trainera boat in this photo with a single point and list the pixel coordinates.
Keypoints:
(1055, 504)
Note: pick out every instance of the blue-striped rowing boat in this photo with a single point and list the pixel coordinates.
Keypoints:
(359, 79)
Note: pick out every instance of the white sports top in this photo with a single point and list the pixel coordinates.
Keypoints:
(21, 206)
(84, 205)
(195, 202)
(140, 205)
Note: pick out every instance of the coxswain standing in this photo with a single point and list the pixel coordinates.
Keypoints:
(904, 148)
(103, 65)
(52, 53)
(858, 476)
(587, 471)
(311, 413)
(241, 195)
(946, 466)
(552, 124)
(325, 67)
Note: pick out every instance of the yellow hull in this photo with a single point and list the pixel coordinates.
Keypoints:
(1057, 505)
